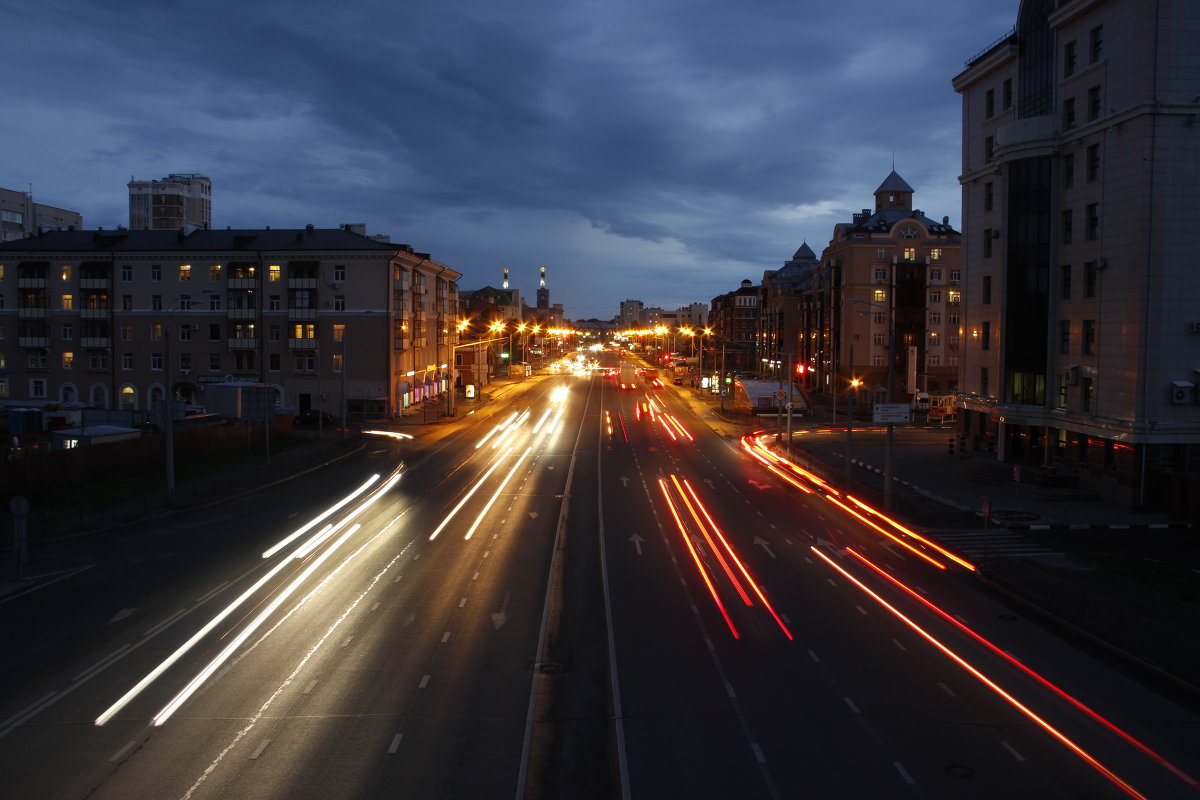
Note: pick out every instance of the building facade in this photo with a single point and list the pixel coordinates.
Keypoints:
(783, 289)
(330, 319)
(885, 303)
(735, 318)
(1080, 190)
(175, 203)
(21, 217)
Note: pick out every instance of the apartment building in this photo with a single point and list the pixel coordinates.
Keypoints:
(885, 303)
(327, 317)
(21, 217)
(1081, 136)
(178, 202)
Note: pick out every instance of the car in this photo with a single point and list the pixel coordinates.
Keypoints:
(312, 419)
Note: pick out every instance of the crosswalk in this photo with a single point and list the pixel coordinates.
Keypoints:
(976, 544)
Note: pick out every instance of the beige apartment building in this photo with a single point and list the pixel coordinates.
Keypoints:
(21, 217)
(178, 202)
(1081, 140)
(884, 300)
(329, 318)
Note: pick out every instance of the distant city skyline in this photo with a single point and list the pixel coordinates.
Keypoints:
(607, 143)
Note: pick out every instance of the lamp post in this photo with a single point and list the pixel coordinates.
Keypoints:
(891, 380)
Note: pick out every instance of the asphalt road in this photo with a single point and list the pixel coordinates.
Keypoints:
(578, 591)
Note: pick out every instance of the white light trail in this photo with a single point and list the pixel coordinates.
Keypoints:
(511, 428)
(542, 421)
(496, 494)
(275, 548)
(467, 497)
(496, 430)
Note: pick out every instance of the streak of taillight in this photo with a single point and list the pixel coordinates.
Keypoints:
(985, 680)
(624, 432)
(742, 567)
(956, 559)
(608, 422)
(737, 585)
(679, 427)
(889, 534)
(1078, 704)
(696, 558)
(799, 470)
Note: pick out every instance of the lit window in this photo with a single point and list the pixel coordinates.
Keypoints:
(339, 332)
(68, 360)
(274, 272)
(156, 330)
(338, 362)
(185, 272)
(910, 254)
(66, 272)
(935, 254)
(68, 302)
(879, 296)
(953, 296)
(214, 272)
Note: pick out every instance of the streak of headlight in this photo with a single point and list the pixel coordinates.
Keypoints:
(913, 534)
(150, 677)
(1016, 662)
(496, 430)
(467, 496)
(696, 558)
(986, 681)
(742, 567)
(679, 426)
(667, 427)
(889, 534)
(275, 548)
(553, 426)
(608, 422)
(737, 585)
(313, 543)
(391, 434)
(511, 429)
(542, 421)
(559, 395)
(496, 494)
(244, 634)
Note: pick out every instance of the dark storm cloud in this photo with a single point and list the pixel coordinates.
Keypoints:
(634, 140)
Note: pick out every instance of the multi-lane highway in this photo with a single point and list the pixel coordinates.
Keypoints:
(580, 590)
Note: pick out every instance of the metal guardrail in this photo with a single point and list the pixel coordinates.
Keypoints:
(971, 61)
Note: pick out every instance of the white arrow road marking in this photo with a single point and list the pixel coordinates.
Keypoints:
(637, 542)
(761, 542)
(500, 617)
(624, 482)
(758, 485)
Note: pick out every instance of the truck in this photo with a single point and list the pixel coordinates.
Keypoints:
(628, 376)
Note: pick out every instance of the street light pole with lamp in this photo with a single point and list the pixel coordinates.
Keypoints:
(891, 380)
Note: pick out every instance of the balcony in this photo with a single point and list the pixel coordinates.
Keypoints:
(307, 314)
(33, 341)
(242, 313)
(302, 283)
(242, 283)
(94, 283)
(95, 342)
(31, 283)
(95, 313)
(302, 344)
(33, 312)
(243, 344)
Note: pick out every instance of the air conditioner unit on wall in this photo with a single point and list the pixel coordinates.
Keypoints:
(1182, 392)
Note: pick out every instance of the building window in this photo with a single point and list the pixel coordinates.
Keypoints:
(880, 296)
(127, 302)
(1069, 59)
(37, 388)
(1087, 391)
(185, 272)
(156, 331)
(273, 333)
(952, 318)
(1006, 92)
(935, 275)
(933, 360)
(214, 332)
(185, 362)
(1093, 221)
(935, 296)
(1089, 337)
(214, 302)
(214, 362)
(156, 302)
(985, 333)
(989, 148)
(155, 273)
(1064, 281)
(953, 297)
(244, 360)
(935, 254)
(1068, 225)
(126, 333)
(989, 103)
(66, 272)
(273, 362)
(1093, 162)
(955, 275)
(339, 332)
(1068, 114)
(1064, 337)
(68, 302)
(910, 254)
(1062, 390)
(274, 303)
(1089, 279)
(935, 318)
(1096, 43)
(304, 362)
(881, 254)
(987, 242)
(880, 317)
(1068, 170)
(68, 331)
(339, 361)
(214, 273)
(339, 302)
(304, 330)
(185, 302)
(879, 339)
(126, 273)
(68, 360)
(274, 273)
(881, 274)
(185, 333)
(127, 361)
(1093, 103)
(983, 381)
(987, 290)
(339, 272)
(989, 196)
(156, 362)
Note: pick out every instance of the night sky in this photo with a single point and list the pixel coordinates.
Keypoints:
(660, 150)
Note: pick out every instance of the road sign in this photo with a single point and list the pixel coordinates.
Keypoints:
(892, 412)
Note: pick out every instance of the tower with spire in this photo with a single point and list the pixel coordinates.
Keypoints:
(543, 294)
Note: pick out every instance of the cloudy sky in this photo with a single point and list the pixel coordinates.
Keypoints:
(660, 150)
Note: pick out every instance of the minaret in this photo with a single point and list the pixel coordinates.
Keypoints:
(543, 294)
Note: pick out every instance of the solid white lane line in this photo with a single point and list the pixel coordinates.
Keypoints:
(424, 682)
(258, 751)
(104, 662)
(1012, 750)
(462, 602)
(903, 772)
(165, 623)
(850, 703)
(445, 637)
(813, 656)
(395, 745)
(308, 689)
(758, 753)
